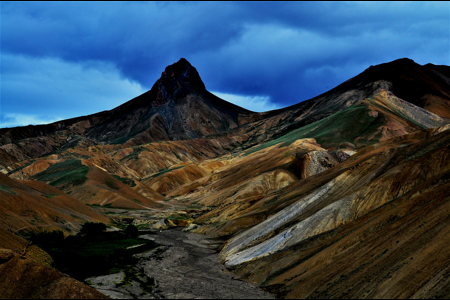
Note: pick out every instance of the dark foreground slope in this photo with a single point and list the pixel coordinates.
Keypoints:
(25, 278)
(32, 206)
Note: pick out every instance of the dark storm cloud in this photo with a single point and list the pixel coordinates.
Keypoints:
(98, 55)
(137, 37)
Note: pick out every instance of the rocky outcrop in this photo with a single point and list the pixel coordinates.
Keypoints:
(315, 162)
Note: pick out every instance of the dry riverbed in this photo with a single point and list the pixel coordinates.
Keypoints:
(186, 266)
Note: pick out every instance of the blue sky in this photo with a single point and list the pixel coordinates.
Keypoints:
(67, 59)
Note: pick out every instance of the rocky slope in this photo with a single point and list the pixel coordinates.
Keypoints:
(185, 109)
(380, 216)
(425, 87)
(179, 107)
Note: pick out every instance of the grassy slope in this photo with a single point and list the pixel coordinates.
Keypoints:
(91, 185)
(71, 171)
(362, 124)
(347, 125)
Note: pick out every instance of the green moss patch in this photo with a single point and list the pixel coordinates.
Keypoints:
(83, 256)
(166, 170)
(347, 125)
(8, 190)
(71, 171)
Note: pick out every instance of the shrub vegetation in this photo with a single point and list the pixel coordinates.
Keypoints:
(93, 251)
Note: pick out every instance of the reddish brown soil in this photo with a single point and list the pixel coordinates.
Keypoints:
(32, 205)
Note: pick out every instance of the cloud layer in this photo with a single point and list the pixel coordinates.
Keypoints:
(65, 59)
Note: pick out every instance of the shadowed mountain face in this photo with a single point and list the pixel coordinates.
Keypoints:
(26, 278)
(425, 86)
(343, 195)
(177, 107)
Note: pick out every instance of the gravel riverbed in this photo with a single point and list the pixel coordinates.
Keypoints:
(186, 266)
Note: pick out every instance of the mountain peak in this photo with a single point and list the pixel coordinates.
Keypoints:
(404, 60)
(176, 81)
(183, 72)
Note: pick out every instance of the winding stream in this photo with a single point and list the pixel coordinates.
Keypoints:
(187, 266)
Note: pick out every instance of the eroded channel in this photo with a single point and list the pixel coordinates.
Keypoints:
(186, 266)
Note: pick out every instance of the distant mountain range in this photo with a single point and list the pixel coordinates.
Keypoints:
(342, 195)
(178, 107)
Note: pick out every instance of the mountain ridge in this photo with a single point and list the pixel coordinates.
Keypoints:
(181, 78)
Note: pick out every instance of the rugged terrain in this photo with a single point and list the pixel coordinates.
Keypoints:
(342, 195)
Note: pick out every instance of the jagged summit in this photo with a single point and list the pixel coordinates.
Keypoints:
(175, 82)
(183, 72)
(177, 107)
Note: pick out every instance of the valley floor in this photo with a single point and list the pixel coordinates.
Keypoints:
(187, 266)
